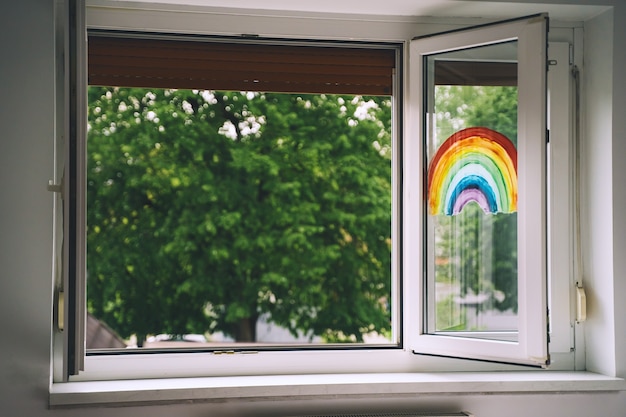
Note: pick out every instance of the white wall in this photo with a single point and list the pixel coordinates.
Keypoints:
(26, 143)
(26, 147)
(619, 187)
(597, 186)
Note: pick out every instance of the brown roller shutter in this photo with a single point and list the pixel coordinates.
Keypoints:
(194, 64)
(476, 73)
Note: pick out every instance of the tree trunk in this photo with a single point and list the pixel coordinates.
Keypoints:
(245, 329)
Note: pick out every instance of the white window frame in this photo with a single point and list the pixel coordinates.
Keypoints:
(135, 367)
(531, 346)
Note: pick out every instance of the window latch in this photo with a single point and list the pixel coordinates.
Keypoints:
(581, 303)
(60, 310)
(54, 188)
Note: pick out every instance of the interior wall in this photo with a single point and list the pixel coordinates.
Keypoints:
(508, 405)
(26, 150)
(26, 144)
(598, 208)
(619, 186)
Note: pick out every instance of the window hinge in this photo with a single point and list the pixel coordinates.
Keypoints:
(548, 324)
(550, 63)
(235, 352)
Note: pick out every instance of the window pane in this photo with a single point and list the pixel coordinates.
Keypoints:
(472, 192)
(223, 217)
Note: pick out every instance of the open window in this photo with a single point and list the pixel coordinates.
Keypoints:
(476, 212)
(447, 229)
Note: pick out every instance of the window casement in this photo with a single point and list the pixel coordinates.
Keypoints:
(498, 164)
(263, 201)
(508, 55)
(355, 77)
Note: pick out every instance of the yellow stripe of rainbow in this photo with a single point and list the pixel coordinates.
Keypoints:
(476, 164)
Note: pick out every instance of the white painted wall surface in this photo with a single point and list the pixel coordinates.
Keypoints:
(619, 186)
(26, 147)
(598, 210)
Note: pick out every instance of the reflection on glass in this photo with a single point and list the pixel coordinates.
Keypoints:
(471, 142)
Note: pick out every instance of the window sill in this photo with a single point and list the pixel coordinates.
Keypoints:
(309, 387)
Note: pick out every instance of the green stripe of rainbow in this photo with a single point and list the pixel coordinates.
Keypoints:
(474, 164)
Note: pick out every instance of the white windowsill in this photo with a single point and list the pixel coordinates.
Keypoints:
(295, 387)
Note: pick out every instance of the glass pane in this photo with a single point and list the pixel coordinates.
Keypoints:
(229, 218)
(471, 224)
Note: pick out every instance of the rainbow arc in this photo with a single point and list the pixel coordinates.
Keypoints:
(477, 165)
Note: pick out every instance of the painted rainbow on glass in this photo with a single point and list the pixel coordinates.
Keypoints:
(478, 165)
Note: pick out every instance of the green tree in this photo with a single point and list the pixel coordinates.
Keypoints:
(209, 209)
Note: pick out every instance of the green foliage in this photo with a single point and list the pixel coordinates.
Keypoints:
(481, 249)
(209, 209)
(458, 107)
